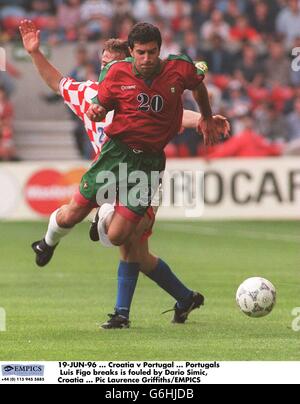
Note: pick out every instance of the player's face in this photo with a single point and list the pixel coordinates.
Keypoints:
(146, 57)
(108, 57)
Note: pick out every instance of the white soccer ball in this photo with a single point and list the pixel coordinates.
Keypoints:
(256, 297)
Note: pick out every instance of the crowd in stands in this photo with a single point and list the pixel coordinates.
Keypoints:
(251, 47)
(7, 150)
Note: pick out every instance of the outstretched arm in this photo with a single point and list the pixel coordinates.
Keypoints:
(31, 41)
(192, 120)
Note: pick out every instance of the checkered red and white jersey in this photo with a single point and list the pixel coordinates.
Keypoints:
(78, 96)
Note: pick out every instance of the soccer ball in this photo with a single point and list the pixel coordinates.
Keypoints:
(256, 297)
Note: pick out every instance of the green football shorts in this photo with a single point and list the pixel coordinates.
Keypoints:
(130, 176)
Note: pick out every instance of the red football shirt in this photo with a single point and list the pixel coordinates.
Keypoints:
(146, 116)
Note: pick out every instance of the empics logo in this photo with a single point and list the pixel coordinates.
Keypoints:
(22, 370)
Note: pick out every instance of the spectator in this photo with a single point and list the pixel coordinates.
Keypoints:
(52, 34)
(249, 69)
(124, 28)
(191, 46)
(180, 10)
(277, 65)
(261, 19)
(145, 10)
(244, 43)
(169, 46)
(293, 122)
(41, 7)
(247, 143)
(219, 60)
(68, 17)
(271, 123)
(215, 94)
(7, 77)
(243, 32)
(11, 13)
(238, 106)
(7, 150)
(12, 8)
(288, 22)
(202, 12)
(232, 11)
(97, 18)
(215, 26)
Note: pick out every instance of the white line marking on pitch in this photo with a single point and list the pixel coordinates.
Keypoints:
(210, 231)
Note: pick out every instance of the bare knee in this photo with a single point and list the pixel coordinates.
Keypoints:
(117, 237)
(120, 230)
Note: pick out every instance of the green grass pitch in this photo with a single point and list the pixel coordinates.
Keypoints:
(53, 313)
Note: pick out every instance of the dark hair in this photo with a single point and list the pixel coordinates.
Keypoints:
(116, 46)
(144, 33)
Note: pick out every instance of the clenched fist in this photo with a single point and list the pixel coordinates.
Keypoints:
(96, 113)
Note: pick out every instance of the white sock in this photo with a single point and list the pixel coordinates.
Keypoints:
(54, 232)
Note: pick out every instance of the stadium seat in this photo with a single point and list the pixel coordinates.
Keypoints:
(11, 24)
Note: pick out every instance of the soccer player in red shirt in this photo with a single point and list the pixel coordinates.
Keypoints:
(135, 250)
(145, 94)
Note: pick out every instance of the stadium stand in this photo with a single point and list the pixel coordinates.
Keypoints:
(250, 45)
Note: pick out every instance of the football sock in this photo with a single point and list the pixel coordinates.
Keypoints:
(127, 279)
(167, 280)
(55, 233)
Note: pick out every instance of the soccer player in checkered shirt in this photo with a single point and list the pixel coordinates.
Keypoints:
(77, 96)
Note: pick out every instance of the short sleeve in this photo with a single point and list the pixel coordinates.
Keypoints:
(78, 95)
(105, 94)
(193, 75)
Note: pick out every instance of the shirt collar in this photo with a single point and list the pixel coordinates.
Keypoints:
(156, 72)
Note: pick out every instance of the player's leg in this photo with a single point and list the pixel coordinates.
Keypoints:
(159, 271)
(60, 224)
(128, 273)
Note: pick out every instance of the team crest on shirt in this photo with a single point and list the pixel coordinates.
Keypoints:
(85, 185)
(173, 90)
(201, 65)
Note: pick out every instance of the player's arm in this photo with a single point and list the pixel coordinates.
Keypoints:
(31, 41)
(192, 120)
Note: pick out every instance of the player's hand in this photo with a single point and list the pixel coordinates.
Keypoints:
(96, 113)
(223, 125)
(30, 36)
(213, 129)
